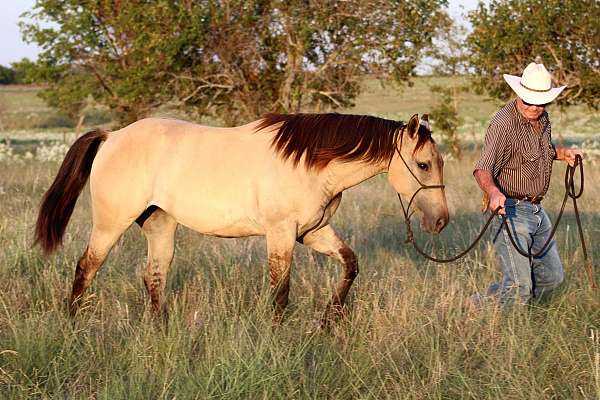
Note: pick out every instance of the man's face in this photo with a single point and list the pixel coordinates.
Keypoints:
(530, 111)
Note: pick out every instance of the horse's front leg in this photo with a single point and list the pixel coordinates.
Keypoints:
(280, 246)
(326, 241)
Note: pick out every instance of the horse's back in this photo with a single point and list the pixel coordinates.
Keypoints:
(206, 177)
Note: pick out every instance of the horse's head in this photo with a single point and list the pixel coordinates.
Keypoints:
(417, 167)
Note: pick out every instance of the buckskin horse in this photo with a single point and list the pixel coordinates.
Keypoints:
(281, 176)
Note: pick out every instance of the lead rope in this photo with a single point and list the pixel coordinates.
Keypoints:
(569, 192)
(407, 214)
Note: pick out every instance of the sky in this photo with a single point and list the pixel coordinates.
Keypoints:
(13, 48)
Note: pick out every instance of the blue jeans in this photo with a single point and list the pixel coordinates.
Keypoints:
(530, 227)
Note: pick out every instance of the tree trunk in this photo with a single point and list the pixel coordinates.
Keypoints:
(79, 125)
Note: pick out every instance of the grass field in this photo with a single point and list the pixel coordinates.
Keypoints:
(408, 333)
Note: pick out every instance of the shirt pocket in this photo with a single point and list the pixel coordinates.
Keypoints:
(530, 163)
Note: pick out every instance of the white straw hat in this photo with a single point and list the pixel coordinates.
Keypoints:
(535, 86)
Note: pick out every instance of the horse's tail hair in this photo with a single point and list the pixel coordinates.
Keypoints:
(59, 201)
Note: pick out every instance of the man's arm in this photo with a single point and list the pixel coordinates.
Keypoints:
(493, 157)
(486, 183)
(567, 154)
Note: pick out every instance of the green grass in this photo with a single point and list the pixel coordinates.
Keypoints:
(21, 108)
(408, 333)
(401, 102)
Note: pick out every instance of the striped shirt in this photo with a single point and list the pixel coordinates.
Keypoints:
(518, 157)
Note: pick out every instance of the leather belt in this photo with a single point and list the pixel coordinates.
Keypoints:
(531, 199)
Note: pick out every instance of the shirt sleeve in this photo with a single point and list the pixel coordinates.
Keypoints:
(553, 151)
(493, 155)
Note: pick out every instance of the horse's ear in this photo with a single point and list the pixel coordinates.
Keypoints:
(425, 122)
(413, 126)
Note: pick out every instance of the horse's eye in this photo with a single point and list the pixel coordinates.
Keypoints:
(423, 166)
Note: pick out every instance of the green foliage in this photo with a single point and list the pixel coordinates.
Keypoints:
(25, 71)
(7, 75)
(230, 59)
(445, 116)
(564, 35)
(18, 72)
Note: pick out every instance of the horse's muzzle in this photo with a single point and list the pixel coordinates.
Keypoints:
(433, 224)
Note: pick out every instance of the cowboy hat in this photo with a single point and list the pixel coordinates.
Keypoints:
(535, 86)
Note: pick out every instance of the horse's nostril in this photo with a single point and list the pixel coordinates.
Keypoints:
(440, 224)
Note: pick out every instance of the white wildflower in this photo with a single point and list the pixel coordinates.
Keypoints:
(6, 153)
(591, 148)
(52, 152)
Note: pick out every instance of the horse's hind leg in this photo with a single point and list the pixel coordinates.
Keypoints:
(159, 229)
(100, 243)
(326, 241)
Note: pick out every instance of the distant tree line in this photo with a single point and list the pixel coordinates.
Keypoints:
(17, 73)
(7, 75)
(237, 59)
(231, 59)
(563, 34)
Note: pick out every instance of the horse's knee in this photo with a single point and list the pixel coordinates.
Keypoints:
(350, 262)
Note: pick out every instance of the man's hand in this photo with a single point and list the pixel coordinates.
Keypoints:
(486, 183)
(497, 199)
(570, 154)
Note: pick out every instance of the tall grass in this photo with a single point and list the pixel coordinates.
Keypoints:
(407, 334)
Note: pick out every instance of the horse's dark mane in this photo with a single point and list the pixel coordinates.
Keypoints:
(322, 138)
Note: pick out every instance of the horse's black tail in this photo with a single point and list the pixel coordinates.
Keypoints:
(59, 201)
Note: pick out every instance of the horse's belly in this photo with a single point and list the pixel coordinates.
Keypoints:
(214, 214)
(211, 224)
(239, 228)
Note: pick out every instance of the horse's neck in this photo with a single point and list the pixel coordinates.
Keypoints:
(344, 175)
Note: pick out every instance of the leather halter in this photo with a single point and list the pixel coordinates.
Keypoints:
(423, 186)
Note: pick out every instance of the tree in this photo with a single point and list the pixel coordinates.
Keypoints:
(19, 72)
(563, 34)
(25, 71)
(449, 58)
(445, 115)
(7, 75)
(448, 55)
(232, 59)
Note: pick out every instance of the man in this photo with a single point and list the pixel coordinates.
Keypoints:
(514, 173)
